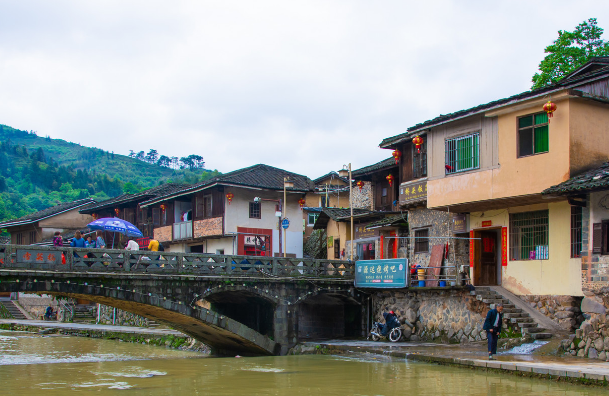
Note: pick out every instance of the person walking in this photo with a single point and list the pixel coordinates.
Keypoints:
(77, 242)
(492, 326)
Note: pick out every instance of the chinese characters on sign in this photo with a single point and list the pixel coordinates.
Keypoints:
(487, 223)
(38, 257)
(361, 231)
(459, 223)
(504, 247)
(381, 273)
(413, 192)
(471, 249)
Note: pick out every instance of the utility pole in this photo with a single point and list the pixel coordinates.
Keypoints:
(351, 207)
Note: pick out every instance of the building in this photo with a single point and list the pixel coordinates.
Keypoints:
(40, 227)
(235, 213)
(489, 164)
(330, 190)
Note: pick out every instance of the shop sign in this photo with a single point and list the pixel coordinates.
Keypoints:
(459, 223)
(390, 273)
(361, 232)
(487, 223)
(412, 192)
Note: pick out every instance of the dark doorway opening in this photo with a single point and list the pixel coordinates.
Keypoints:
(247, 308)
(329, 315)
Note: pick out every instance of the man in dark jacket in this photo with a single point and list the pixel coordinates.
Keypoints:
(391, 321)
(492, 325)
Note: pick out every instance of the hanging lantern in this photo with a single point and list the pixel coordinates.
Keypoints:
(549, 108)
(229, 197)
(360, 184)
(117, 211)
(95, 216)
(418, 142)
(163, 207)
(302, 202)
(390, 179)
(396, 154)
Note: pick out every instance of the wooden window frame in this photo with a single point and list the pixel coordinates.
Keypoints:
(32, 237)
(419, 161)
(384, 195)
(600, 238)
(337, 248)
(315, 215)
(421, 242)
(533, 127)
(156, 217)
(576, 231)
(208, 206)
(255, 210)
(19, 238)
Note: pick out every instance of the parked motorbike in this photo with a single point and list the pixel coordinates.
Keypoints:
(394, 335)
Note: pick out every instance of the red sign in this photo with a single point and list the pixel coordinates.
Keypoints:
(487, 223)
(504, 247)
(471, 249)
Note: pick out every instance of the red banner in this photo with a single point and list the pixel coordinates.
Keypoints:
(471, 249)
(504, 247)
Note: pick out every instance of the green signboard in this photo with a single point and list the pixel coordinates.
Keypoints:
(389, 273)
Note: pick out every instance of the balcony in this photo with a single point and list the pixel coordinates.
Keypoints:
(182, 230)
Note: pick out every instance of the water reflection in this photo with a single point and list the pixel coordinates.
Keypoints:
(167, 372)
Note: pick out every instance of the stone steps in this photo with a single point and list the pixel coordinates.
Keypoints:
(12, 309)
(541, 336)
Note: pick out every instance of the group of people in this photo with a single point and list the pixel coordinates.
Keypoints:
(80, 242)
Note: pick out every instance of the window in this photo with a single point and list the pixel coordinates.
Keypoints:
(143, 215)
(533, 134)
(207, 203)
(600, 237)
(32, 236)
(384, 194)
(312, 218)
(529, 235)
(421, 240)
(419, 161)
(19, 239)
(337, 248)
(254, 210)
(576, 231)
(323, 201)
(156, 217)
(462, 153)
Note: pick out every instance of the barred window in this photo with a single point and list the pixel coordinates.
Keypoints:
(462, 153)
(533, 134)
(421, 240)
(254, 210)
(419, 161)
(529, 235)
(576, 231)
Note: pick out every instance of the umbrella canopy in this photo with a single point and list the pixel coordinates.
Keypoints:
(114, 224)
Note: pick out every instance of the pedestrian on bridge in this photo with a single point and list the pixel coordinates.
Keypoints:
(492, 325)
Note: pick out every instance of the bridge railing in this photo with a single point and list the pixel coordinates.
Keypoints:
(33, 257)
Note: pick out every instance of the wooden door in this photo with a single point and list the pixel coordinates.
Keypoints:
(488, 259)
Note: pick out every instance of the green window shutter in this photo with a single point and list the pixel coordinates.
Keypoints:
(541, 139)
(476, 151)
(462, 154)
(525, 122)
(541, 118)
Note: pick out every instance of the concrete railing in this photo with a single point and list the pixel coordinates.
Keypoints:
(31, 257)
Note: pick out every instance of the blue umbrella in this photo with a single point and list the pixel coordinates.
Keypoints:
(114, 224)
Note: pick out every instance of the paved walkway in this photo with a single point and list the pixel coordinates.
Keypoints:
(477, 356)
(91, 327)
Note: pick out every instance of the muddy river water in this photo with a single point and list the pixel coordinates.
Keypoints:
(56, 365)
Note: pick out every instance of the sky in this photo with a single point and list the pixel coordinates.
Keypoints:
(306, 86)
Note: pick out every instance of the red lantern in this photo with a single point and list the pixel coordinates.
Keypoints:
(549, 108)
(163, 207)
(95, 216)
(360, 184)
(117, 211)
(396, 154)
(390, 179)
(230, 196)
(302, 202)
(418, 142)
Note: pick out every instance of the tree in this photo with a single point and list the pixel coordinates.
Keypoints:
(140, 156)
(164, 161)
(188, 161)
(152, 156)
(131, 153)
(570, 51)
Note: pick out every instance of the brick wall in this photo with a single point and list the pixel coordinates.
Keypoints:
(208, 227)
(163, 234)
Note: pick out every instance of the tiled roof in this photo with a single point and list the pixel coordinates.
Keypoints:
(48, 212)
(151, 193)
(388, 221)
(330, 175)
(594, 69)
(595, 179)
(344, 213)
(258, 176)
(381, 165)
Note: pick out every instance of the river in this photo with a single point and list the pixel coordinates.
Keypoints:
(53, 365)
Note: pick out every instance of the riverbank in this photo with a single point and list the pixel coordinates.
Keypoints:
(556, 368)
(141, 335)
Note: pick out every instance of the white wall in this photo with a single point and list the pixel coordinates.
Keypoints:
(221, 243)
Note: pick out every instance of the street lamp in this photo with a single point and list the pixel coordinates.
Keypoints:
(346, 171)
(287, 183)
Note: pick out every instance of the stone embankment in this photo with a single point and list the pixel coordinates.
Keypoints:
(591, 340)
(562, 310)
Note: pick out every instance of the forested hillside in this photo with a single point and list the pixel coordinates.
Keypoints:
(36, 173)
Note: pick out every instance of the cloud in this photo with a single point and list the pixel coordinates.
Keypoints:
(306, 86)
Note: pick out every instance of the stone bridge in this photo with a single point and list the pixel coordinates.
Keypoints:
(235, 304)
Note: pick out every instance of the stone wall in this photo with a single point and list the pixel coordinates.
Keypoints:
(163, 234)
(36, 305)
(120, 318)
(563, 310)
(208, 227)
(591, 340)
(448, 316)
(315, 323)
(363, 198)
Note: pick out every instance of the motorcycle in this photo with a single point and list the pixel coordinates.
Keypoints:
(394, 335)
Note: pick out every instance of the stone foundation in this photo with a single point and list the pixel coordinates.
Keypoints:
(36, 305)
(107, 315)
(448, 316)
(591, 340)
(563, 310)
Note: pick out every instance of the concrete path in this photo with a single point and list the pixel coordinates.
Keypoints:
(91, 327)
(569, 368)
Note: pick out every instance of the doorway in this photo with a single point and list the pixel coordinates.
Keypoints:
(485, 253)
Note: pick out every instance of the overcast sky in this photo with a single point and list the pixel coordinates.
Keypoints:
(302, 85)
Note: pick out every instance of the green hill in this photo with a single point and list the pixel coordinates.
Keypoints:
(36, 173)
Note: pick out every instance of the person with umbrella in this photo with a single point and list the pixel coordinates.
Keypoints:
(116, 225)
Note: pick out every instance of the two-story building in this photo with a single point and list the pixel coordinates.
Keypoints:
(330, 190)
(238, 212)
(491, 162)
